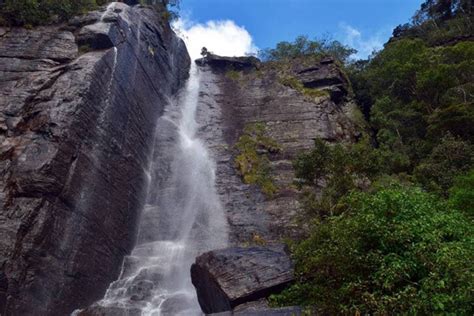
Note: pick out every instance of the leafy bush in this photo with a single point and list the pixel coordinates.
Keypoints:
(397, 251)
(335, 170)
(450, 158)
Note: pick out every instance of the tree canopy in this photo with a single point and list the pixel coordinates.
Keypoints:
(302, 46)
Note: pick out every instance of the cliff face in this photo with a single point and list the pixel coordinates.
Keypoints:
(292, 107)
(78, 109)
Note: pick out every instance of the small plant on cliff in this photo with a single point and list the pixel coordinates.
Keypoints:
(233, 75)
(252, 160)
(295, 84)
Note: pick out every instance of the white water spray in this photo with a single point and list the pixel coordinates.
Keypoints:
(182, 218)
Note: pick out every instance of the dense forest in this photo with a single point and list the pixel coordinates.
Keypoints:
(391, 215)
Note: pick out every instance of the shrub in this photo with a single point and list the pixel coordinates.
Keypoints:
(398, 251)
(450, 158)
(335, 170)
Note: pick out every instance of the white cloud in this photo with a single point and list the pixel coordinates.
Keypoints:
(364, 45)
(223, 38)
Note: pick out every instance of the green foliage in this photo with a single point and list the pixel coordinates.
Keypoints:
(461, 195)
(35, 12)
(440, 22)
(38, 12)
(335, 170)
(397, 251)
(302, 46)
(377, 243)
(252, 160)
(414, 95)
(450, 158)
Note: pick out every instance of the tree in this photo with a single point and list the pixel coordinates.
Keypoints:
(204, 52)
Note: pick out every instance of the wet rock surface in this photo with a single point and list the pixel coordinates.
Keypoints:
(75, 134)
(233, 276)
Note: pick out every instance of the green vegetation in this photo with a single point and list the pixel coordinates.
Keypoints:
(461, 195)
(29, 13)
(397, 251)
(35, 12)
(303, 46)
(440, 22)
(390, 217)
(252, 160)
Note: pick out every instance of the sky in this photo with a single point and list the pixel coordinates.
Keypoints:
(238, 27)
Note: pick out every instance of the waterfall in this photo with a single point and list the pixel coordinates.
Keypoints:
(182, 217)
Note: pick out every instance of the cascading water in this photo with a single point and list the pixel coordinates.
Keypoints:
(182, 218)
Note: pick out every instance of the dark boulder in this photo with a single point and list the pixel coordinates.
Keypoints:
(229, 63)
(229, 277)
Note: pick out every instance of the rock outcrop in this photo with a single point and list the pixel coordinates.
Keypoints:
(229, 63)
(230, 277)
(78, 111)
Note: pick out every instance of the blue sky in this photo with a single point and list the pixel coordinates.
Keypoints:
(363, 24)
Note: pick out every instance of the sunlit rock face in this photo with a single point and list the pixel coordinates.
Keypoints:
(78, 110)
(238, 92)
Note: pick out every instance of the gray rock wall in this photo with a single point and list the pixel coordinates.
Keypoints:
(76, 126)
(232, 98)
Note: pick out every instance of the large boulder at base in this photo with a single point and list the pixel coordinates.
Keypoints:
(229, 277)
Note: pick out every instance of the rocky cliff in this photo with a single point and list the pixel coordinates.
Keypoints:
(78, 107)
(257, 117)
(278, 109)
